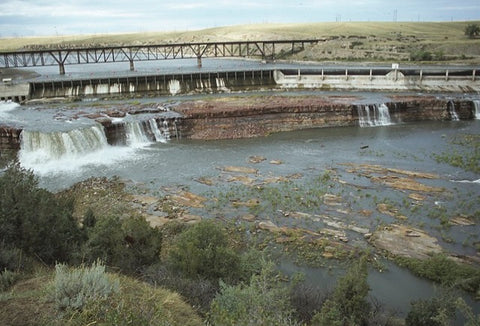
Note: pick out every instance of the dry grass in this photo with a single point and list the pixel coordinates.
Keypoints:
(375, 41)
(28, 303)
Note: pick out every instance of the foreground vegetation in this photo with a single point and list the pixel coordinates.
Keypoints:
(117, 270)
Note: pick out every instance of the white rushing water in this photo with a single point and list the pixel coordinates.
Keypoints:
(453, 113)
(136, 135)
(373, 115)
(477, 109)
(142, 133)
(68, 151)
(6, 109)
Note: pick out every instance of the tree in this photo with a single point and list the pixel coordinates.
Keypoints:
(472, 30)
(35, 220)
(348, 305)
(130, 244)
(437, 311)
(204, 250)
(264, 301)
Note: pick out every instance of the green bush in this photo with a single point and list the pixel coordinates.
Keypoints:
(203, 250)
(7, 279)
(306, 300)
(14, 259)
(421, 55)
(264, 301)
(75, 288)
(438, 311)
(198, 292)
(134, 304)
(444, 271)
(472, 30)
(34, 220)
(348, 305)
(129, 245)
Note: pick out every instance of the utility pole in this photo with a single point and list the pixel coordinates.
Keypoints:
(395, 16)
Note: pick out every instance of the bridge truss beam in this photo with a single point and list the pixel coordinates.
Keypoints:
(267, 50)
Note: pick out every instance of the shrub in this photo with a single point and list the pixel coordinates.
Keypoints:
(203, 250)
(348, 304)
(7, 279)
(264, 301)
(34, 220)
(199, 292)
(421, 55)
(130, 245)
(444, 271)
(306, 301)
(472, 30)
(13, 259)
(438, 311)
(129, 302)
(74, 289)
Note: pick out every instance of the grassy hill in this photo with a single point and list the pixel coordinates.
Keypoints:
(30, 302)
(365, 41)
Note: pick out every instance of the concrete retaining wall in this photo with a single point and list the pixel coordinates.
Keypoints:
(159, 85)
(394, 80)
(15, 92)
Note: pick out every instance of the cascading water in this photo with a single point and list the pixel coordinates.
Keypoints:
(136, 134)
(53, 145)
(69, 151)
(141, 133)
(452, 112)
(5, 111)
(476, 103)
(373, 115)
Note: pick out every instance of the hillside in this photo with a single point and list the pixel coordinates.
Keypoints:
(30, 302)
(354, 41)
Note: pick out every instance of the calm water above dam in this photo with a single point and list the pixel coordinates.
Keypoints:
(171, 161)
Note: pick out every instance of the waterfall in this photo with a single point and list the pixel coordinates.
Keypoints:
(174, 86)
(67, 151)
(165, 131)
(451, 111)
(141, 133)
(373, 115)
(136, 134)
(220, 82)
(5, 108)
(476, 103)
(54, 145)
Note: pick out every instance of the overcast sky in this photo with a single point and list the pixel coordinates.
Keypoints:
(66, 17)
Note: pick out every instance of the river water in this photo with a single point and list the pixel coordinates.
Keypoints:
(180, 162)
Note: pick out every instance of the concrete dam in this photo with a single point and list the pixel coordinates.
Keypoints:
(359, 79)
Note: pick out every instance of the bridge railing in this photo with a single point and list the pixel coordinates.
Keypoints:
(67, 56)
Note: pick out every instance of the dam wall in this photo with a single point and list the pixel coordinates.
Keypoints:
(14, 92)
(358, 79)
(378, 79)
(168, 84)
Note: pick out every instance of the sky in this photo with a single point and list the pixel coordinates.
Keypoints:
(69, 17)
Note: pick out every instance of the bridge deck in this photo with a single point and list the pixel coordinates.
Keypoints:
(107, 54)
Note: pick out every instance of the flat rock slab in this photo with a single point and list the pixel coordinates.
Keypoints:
(240, 169)
(185, 198)
(405, 184)
(404, 241)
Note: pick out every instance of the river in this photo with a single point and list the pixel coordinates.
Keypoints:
(181, 162)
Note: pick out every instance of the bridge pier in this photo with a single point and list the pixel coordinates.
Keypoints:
(132, 66)
(199, 62)
(61, 68)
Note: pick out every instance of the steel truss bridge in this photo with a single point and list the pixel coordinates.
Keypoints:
(267, 50)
